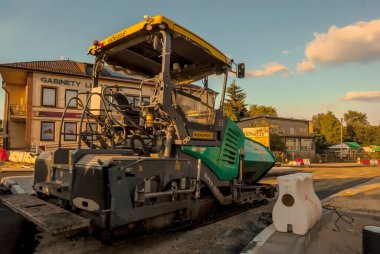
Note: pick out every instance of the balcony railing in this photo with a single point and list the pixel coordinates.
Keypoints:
(18, 110)
(18, 113)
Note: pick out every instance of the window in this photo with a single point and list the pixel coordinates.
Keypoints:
(134, 100)
(68, 95)
(47, 131)
(91, 127)
(196, 111)
(306, 144)
(146, 100)
(91, 130)
(291, 130)
(291, 144)
(70, 131)
(49, 95)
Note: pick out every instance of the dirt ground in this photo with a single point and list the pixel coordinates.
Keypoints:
(356, 208)
(341, 237)
(227, 236)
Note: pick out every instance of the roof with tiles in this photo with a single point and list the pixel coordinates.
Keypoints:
(68, 67)
(58, 66)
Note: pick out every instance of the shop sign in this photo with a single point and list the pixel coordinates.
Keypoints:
(56, 114)
(259, 134)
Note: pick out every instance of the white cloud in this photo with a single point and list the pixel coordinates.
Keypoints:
(358, 42)
(369, 96)
(268, 70)
(306, 65)
(285, 52)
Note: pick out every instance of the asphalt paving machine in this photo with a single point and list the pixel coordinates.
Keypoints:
(151, 163)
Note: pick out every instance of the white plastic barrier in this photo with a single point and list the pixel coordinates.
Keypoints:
(310, 195)
(22, 157)
(30, 158)
(294, 163)
(16, 156)
(297, 205)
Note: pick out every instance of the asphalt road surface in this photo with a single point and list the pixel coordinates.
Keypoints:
(227, 236)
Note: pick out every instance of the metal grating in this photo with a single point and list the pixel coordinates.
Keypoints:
(230, 148)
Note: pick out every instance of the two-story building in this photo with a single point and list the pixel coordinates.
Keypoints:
(36, 94)
(293, 136)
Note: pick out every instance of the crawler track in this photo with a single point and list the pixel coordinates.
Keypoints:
(224, 212)
(219, 214)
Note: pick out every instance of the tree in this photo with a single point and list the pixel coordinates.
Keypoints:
(255, 110)
(357, 125)
(320, 140)
(355, 117)
(376, 137)
(370, 135)
(327, 129)
(235, 106)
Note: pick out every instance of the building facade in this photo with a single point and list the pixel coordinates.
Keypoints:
(295, 137)
(36, 94)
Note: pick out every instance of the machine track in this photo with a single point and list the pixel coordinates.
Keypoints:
(217, 214)
(224, 212)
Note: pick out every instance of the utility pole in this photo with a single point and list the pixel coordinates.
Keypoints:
(341, 137)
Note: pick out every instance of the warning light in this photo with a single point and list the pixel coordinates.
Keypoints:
(98, 44)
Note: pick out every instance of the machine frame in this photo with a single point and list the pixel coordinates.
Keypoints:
(185, 167)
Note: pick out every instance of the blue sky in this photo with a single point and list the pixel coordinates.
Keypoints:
(272, 37)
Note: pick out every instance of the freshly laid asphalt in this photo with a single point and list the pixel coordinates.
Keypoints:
(18, 235)
(10, 224)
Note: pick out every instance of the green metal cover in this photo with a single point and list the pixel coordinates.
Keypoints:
(258, 160)
(224, 160)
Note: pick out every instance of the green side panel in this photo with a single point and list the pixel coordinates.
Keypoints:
(208, 155)
(224, 160)
(233, 141)
(258, 160)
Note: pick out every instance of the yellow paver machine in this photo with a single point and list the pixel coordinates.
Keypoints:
(150, 163)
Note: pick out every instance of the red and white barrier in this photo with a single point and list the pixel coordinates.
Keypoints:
(368, 161)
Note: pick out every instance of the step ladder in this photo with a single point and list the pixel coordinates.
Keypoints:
(50, 217)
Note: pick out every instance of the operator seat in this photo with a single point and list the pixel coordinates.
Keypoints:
(129, 111)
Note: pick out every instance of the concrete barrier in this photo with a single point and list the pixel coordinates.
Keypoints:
(22, 157)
